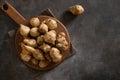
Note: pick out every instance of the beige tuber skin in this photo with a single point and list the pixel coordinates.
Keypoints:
(52, 24)
(43, 28)
(62, 43)
(43, 63)
(36, 52)
(35, 22)
(40, 51)
(24, 51)
(38, 55)
(34, 61)
(30, 42)
(55, 54)
(24, 30)
(50, 37)
(34, 32)
(40, 39)
(45, 47)
(25, 57)
(28, 48)
(76, 9)
(62, 46)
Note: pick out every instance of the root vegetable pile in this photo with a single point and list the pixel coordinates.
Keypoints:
(42, 44)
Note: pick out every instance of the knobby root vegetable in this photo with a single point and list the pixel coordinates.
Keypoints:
(76, 9)
(30, 42)
(62, 43)
(40, 39)
(55, 54)
(52, 24)
(43, 28)
(45, 47)
(34, 32)
(34, 61)
(38, 55)
(28, 48)
(24, 30)
(35, 22)
(25, 57)
(50, 37)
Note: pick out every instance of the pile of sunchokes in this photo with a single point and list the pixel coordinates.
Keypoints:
(42, 44)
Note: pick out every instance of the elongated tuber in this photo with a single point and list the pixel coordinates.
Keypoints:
(38, 55)
(28, 48)
(30, 42)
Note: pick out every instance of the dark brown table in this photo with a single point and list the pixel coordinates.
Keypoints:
(95, 35)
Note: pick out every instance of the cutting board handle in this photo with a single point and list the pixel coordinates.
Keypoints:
(13, 13)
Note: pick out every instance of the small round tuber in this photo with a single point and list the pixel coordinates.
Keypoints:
(43, 28)
(76, 9)
(35, 22)
(34, 32)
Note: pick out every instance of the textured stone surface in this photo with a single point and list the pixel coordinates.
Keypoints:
(95, 35)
